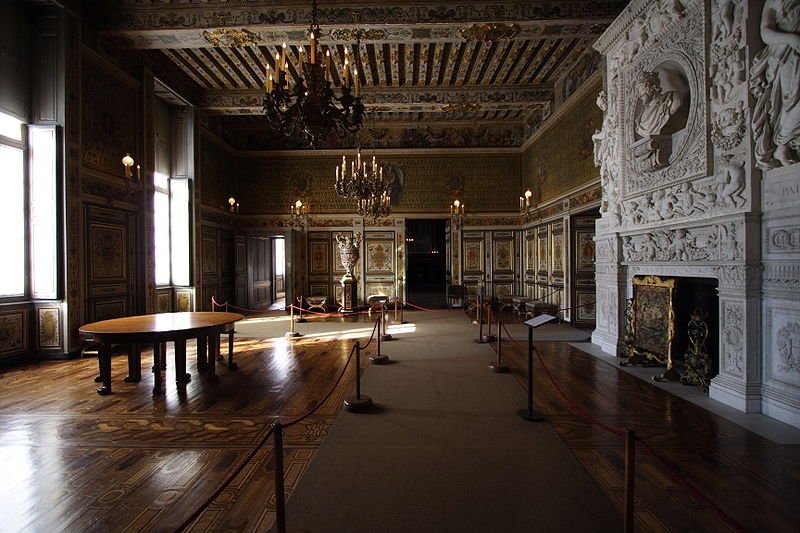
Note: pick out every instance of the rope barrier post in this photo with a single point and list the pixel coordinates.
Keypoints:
(630, 471)
(280, 497)
(489, 337)
(291, 333)
(300, 319)
(358, 403)
(385, 336)
(530, 414)
(498, 366)
(378, 358)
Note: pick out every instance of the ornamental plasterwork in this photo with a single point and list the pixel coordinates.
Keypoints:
(717, 242)
(783, 240)
(649, 25)
(738, 276)
(359, 34)
(665, 155)
(231, 37)
(728, 127)
(727, 67)
(787, 342)
(732, 338)
(718, 194)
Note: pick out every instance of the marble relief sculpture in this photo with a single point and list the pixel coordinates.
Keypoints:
(658, 105)
(775, 84)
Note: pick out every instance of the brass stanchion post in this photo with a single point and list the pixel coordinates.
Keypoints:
(280, 502)
(300, 318)
(378, 358)
(630, 471)
(489, 337)
(291, 333)
(358, 403)
(498, 366)
(385, 336)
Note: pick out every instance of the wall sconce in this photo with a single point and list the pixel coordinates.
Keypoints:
(233, 205)
(525, 203)
(132, 184)
(299, 213)
(457, 213)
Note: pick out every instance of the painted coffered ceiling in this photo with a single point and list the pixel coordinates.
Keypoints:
(432, 74)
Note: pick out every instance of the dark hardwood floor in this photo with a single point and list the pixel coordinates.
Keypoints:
(76, 461)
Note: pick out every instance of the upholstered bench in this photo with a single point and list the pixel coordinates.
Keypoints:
(377, 302)
(317, 302)
(507, 300)
(518, 303)
(538, 307)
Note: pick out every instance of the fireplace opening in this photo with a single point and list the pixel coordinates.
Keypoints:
(694, 351)
(696, 294)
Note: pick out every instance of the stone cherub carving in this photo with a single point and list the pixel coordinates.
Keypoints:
(775, 83)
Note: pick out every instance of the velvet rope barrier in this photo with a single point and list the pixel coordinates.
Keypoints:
(262, 440)
(621, 432)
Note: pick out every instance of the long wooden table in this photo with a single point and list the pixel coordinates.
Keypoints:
(159, 329)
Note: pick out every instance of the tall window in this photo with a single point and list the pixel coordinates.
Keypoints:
(171, 203)
(29, 218)
(12, 216)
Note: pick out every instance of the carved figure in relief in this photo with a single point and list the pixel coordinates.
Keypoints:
(691, 200)
(648, 248)
(730, 181)
(658, 106)
(775, 83)
(633, 213)
(679, 246)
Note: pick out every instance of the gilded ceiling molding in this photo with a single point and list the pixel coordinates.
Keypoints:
(461, 107)
(489, 32)
(358, 34)
(231, 37)
(152, 14)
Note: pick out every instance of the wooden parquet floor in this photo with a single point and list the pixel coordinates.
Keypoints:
(76, 461)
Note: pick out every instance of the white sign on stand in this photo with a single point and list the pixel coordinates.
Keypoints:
(538, 320)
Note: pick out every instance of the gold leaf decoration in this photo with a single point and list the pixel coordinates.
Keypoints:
(231, 37)
(358, 34)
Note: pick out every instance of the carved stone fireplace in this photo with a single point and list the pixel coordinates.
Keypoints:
(697, 184)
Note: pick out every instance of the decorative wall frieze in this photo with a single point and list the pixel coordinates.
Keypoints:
(740, 277)
(781, 188)
(489, 32)
(781, 276)
(714, 242)
(136, 15)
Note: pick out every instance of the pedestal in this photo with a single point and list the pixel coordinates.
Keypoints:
(349, 294)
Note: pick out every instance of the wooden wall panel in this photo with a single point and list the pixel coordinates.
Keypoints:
(110, 263)
(13, 332)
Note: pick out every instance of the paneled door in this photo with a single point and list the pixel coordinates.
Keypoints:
(583, 286)
(260, 267)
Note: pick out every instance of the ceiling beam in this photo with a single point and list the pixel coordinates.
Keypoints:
(397, 99)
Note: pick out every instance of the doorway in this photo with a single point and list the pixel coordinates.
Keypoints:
(266, 267)
(426, 283)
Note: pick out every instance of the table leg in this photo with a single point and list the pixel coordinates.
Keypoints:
(181, 376)
(163, 356)
(231, 364)
(202, 353)
(157, 356)
(213, 353)
(104, 362)
(134, 364)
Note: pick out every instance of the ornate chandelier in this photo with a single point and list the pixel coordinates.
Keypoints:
(309, 106)
(373, 195)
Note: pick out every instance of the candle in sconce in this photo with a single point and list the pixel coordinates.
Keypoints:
(346, 71)
(313, 49)
(356, 78)
(283, 53)
(327, 65)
